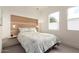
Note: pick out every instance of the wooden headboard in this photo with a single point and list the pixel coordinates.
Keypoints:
(20, 22)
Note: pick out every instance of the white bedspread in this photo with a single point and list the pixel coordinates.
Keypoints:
(35, 42)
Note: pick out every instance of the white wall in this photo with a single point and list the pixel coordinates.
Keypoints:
(0, 33)
(68, 37)
(0, 39)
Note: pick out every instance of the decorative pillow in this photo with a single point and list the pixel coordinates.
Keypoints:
(33, 29)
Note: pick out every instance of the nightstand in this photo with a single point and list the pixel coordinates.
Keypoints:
(9, 42)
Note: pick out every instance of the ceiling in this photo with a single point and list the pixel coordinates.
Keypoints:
(37, 7)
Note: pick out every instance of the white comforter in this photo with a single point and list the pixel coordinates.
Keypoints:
(35, 42)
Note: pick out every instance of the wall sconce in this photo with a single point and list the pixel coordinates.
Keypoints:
(13, 31)
(14, 26)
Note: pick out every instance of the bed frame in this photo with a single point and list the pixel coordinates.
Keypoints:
(53, 47)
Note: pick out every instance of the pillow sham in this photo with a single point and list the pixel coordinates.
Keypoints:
(33, 29)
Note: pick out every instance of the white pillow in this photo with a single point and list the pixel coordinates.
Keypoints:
(27, 29)
(24, 29)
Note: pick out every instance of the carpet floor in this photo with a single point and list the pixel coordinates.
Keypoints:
(59, 49)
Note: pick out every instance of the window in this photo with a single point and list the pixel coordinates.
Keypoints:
(54, 21)
(73, 18)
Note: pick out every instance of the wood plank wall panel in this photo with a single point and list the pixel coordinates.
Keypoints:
(21, 22)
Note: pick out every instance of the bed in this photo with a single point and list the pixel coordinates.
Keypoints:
(31, 40)
(36, 42)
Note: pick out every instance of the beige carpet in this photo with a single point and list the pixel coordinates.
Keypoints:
(60, 49)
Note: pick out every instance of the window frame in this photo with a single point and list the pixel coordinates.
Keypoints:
(57, 21)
